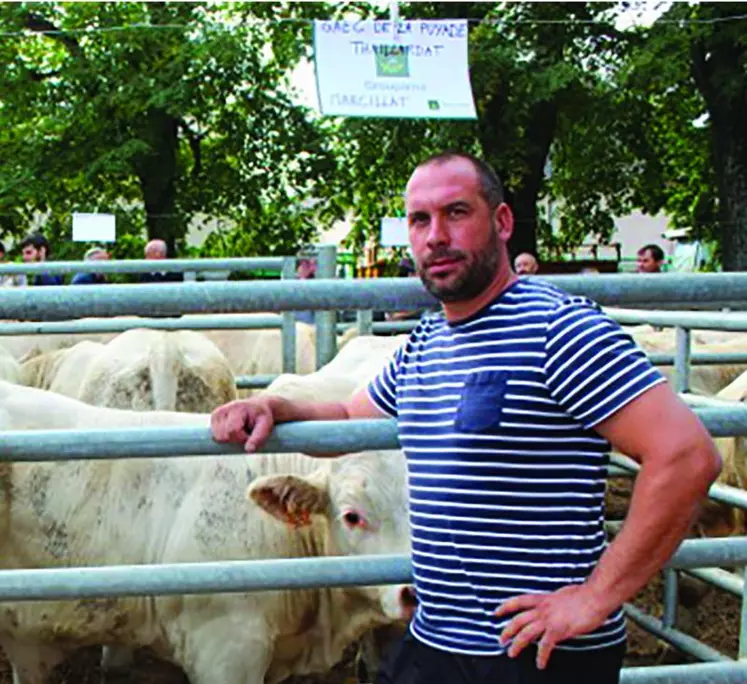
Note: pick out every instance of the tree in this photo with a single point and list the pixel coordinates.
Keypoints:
(703, 51)
(162, 110)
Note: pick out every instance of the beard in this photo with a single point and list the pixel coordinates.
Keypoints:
(478, 269)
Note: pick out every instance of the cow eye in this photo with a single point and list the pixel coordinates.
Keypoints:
(353, 519)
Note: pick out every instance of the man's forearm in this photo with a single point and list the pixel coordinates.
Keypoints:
(664, 505)
(287, 410)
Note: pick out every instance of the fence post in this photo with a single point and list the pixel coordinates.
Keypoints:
(682, 359)
(326, 321)
(742, 655)
(669, 616)
(365, 322)
(288, 332)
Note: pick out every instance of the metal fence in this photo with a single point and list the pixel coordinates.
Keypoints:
(326, 296)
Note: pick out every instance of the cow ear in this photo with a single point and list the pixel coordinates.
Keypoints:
(290, 498)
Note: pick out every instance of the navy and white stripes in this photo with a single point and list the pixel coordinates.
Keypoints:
(506, 474)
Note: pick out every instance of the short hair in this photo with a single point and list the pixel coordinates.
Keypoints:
(491, 186)
(36, 240)
(656, 252)
(94, 251)
(2, 247)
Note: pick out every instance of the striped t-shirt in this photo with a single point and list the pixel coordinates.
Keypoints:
(506, 473)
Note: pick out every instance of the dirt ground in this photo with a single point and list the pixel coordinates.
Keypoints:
(709, 614)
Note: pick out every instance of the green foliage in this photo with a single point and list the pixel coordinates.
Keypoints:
(179, 107)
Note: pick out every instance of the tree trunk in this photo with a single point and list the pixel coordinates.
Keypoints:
(157, 172)
(523, 197)
(730, 165)
(718, 71)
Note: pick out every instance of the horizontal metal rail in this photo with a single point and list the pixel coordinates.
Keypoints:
(699, 673)
(684, 642)
(115, 325)
(254, 381)
(383, 327)
(384, 294)
(701, 359)
(723, 579)
(253, 575)
(147, 265)
(308, 437)
(202, 578)
(694, 320)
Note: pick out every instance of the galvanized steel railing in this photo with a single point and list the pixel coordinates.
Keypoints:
(391, 295)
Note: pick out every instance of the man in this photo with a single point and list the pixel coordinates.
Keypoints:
(35, 249)
(526, 264)
(93, 254)
(650, 259)
(305, 270)
(156, 250)
(506, 406)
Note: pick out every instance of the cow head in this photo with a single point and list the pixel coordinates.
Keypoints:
(363, 499)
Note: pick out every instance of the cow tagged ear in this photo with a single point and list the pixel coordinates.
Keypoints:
(290, 498)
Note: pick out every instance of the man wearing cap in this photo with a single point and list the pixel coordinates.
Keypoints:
(93, 254)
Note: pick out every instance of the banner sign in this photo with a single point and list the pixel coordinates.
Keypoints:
(94, 228)
(369, 68)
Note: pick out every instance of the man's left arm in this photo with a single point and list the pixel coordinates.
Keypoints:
(679, 462)
(644, 419)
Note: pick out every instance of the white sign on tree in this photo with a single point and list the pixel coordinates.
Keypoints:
(370, 68)
(94, 228)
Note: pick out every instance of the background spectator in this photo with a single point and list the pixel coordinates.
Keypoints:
(35, 249)
(306, 269)
(526, 264)
(93, 254)
(156, 250)
(650, 259)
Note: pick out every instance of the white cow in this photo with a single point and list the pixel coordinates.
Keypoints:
(140, 370)
(260, 352)
(705, 380)
(187, 510)
(10, 370)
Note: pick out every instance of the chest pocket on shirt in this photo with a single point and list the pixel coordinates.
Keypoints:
(481, 403)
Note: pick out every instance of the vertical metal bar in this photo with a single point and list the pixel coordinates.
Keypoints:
(288, 272)
(365, 322)
(742, 655)
(682, 359)
(669, 617)
(326, 321)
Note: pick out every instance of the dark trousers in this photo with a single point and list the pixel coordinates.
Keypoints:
(412, 662)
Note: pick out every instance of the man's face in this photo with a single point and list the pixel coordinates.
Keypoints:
(455, 238)
(306, 269)
(31, 254)
(525, 264)
(646, 263)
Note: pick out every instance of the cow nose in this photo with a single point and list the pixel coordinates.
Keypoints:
(408, 601)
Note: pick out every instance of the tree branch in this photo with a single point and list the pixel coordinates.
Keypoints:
(41, 25)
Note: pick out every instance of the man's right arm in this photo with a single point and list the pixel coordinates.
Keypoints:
(250, 421)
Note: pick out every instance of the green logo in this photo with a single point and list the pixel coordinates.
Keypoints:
(433, 105)
(391, 60)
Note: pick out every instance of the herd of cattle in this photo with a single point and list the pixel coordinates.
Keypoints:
(191, 509)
